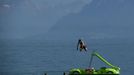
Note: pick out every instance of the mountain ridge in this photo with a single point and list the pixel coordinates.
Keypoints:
(110, 18)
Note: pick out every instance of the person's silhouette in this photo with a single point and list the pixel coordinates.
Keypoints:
(81, 45)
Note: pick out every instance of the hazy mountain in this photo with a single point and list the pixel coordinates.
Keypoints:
(100, 19)
(21, 19)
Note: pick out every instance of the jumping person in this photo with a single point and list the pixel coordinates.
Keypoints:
(81, 45)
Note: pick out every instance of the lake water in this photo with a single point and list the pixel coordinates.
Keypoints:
(34, 57)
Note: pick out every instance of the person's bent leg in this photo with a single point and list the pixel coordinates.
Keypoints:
(85, 48)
